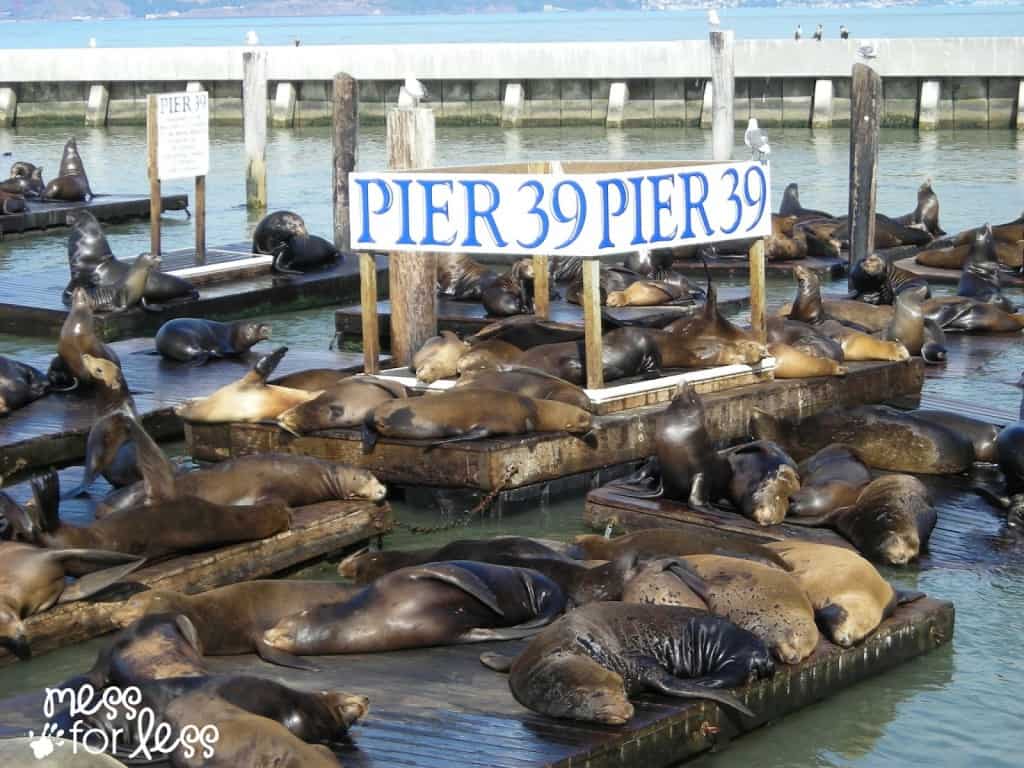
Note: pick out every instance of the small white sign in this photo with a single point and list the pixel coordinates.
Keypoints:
(573, 215)
(183, 134)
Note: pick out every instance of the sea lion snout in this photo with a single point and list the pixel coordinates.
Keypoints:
(347, 708)
(900, 549)
(12, 634)
(282, 636)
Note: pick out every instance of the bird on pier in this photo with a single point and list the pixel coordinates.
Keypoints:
(251, 38)
(412, 93)
(819, 33)
(799, 33)
(757, 140)
(844, 33)
(713, 19)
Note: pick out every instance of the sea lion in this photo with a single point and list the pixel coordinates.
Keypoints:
(610, 280)
(587, 664)
(527, 332)
(434, 604)
(488, 354)
(1011, 232)
(344, 405)
(808, 307)
(858, 346)
(304, 253)
(792, 363)
(981, 434)
(979, 279)
(1010, 455)
(11, 203)
(462, 278)
(876, 280)
(849, 596)
(655, 584)
(77, 338)
(962, 313)
(889, 233)
(625, 352)
(249, 399)
(128, 290)
(831, 478)
(231, 620)
(438, 358)
(1009, 255)
(31, 186)
(470, 414)
(883, 437)
(890, 522)
(790, 205)
(311, 379)
(526, 381)
(195, 340)
(926, 214)
(649, 263)
(296, 480)
(64, 754)
(760, 482)
(22, 169)
(32, 580)
(20, 384)
(276, 229)
(512, 292)
(72, 183)
(807, 339)
(686, 350)
(646, 293)
(919, 336)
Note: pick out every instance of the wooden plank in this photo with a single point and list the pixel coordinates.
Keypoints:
(594, 346)
(317, 530)
(152, 152)
(107, 208)
(345, 122)
(865, 121)
(758, 323)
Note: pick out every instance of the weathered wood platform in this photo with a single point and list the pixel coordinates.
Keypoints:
(53, 429)
(950, 276)
(40, 215)
(513, 462)
(468, 317)
(441, 707)
(738, 266)
(317, 530)
(30, 305)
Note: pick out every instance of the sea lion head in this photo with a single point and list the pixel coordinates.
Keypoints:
(562, 417)
(523, 269)
(345, 707)
(806, 279)
(356, 483)
(874, 265)
(250, 334)
(771, 498)
(79, 299)
(104, 371)
(900, 547)
(848, 624)
(299, 631)
(12, 633)
(150, 601)
(438, 357)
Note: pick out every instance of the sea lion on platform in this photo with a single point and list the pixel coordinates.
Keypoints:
(461, 277)
(889, 233)
(849, 596)
(22, 169)
(438, 358)
(1010, 456)
(434, 604)
(1011, 232)
(249, 399)
(512, 292)
(128, 290)
(276, 229)
(962, 313)
(488, 354)
(11, 203)
(858, 346)
(792, 363)
(33, 579)
(470, 414)
(78, 337)
(527, 332)
(883, 437)
(926, 214)
(831, 478)
(231, 620)
(685, 350)
(64, 754)
(646, 293)
(979, 279)
(20, 384)
(761, 480)
(526, 381)
(920, 336)
(890, 522)
(877, 280)
(610, 280)
(624, 352)
(344, 405)
(304, 253)
(807, 339)
(72, 183)
(656, 584)
(311, 379)
(790, 205)
(195, 340)
(1009, 255)
(31, 186)
(587, 664)
(982, 435)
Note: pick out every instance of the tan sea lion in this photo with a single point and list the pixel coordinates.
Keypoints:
(791, 363)
(78, 337)
(438, 357)
(920, 336)
(761, 480)
(341, 406)
(1010, 232)
(682, 350)
(655, 584)
(311, 380)
(645, 293)
(862, 346)
(831, 478)
(248, 399)
(526, 381)
(1009, 254)
(488, 354)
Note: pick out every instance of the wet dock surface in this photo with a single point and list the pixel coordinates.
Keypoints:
(39, 215)
(739, 266)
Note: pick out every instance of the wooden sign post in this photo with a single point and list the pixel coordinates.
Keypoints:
(178, 137)
(865, 119)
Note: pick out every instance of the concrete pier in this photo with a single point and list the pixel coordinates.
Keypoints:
(283, 113)
(8, 106)
(928, 105)
(512, 106)
(618, 100)
(824, 105)
(96, 108)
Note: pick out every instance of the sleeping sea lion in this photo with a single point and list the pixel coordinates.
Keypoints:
(195, 340)
(311, 379)
(831, 478)
(1010, 232)
(981, 434)
(20, 384)
(488, 354)
(344, 405)
(276, 229)
(656, 584)
(792, 363)
(761, 479)
(962, 313)
(512, 292)
(438, 358)
(462, 278)
(858, 346)
(1009, 255)
(807, 339)
(527, 332)
(526, 381)
(646, 293)
(625, 352)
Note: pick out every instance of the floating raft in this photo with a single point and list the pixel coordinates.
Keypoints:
(518, 462)
(951, 276)
(53, 429)
(232, 283)
(317, 530)
(440, 707)
(40, 215)
(468, 317)
(739, 266)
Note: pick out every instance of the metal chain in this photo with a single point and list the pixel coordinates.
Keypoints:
(464, 519)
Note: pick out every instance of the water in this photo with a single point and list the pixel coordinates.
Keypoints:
(866, 23)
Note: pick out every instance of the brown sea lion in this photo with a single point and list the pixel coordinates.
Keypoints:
(588, 664)
(527, 332)
(962, 313)
(1010, 232)
(459, 601)
(512, 292)
(889, 233)
(849, 596)
(20, 384)
(625, 352)
(909, 327)
(926, 213)
(808, 307)
(78, 337)
(792, 363)
(684, 350)
(196, 340)
(526, 381)
(438, 358)
(808, 339)
(981, 434)
(488, 354)
(656, 584)
(344, 405)
(462, 278)
(862, 346)
(645, 293)
(831, 478)
(311, 379)
(249, 399)
(1007, 254)
(980, 277)
(761, 479)
(276, 229)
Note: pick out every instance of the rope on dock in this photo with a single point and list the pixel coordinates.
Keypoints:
(464, 519)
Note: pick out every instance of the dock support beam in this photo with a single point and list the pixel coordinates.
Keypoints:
(254, 104)
(283, 115)
(346, 142)
(865, 117)
(723, 125)
(707, 105)
(411, 276)
(928, 105)
(618, 98)
(513, 105)
(824, 109)
(8, 107)
(194, 87)
(96, 108)
(1020, 105)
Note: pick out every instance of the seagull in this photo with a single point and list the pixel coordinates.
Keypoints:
(251, 38)
(799, 33)
(713, 19)
(757, 140)
(92, 42)
(867, 52)
(412, 93)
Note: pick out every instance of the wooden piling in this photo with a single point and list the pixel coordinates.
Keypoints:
(722, 68)
(200, 208)
(592, 323)
(411, 276)
(757, 292)
(346, 141)
(254, 104)
(865, 117)
(152, 134)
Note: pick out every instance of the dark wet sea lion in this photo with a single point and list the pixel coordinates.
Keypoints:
(890, 522)
(11, 202)
(438, 358)
(683, 447)
(831, 478)
(1009, 255)
(588, 664)
(926, 214)
(276, 229)
(793, 363)
(1010, 455)
(1011, 232)
(72, 183)
(344, 405)
(877, 280)
(527, 332)
(889, 233)
(981, 434)
(487, 355)
(625, 352)
(462, 278)
(883, 437)
(979, 279)
(20, 384)
(962, 313)
(790, 205)
(526, 381)
(30, 186)
(195, 340)
(917, 334)
(22, 169)
(808, 339)
(434, 604)
(761, 479)
(78, 337)
(304, 253)
(129, 289)
(512, 292)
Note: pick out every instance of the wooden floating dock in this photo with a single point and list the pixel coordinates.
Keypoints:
(468, 317)
(317, 530)
(535, 459)
(440, 707)
(39, 215)
(53, 429)
(232, 283)
(951, 276)
(739, 266)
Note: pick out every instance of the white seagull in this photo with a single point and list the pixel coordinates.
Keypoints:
(251, 38)
(713, 19)
(757, 140)
(412, 93)
(92, 42)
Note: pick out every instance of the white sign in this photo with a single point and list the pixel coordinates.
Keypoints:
(572, 215)
(183, 135)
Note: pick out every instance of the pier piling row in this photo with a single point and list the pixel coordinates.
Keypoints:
(926, 83)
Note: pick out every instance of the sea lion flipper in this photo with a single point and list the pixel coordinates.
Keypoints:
(272, 655)
(658, 679)
(497, 661)
(904, 596)
(157, 472)
(474, 433)
(369, 435)
(266, 365)
(46, 492)
(686, 574)
(95, 582)
(463, 579)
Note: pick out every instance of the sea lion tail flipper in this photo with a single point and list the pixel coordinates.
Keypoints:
(658, 679)
(369, 435)
(156, 470)
(933, 353)
(95, 582)
(46, 492)
(991, 495)
(904, 596)
(518, 632)
(686, 574)
(461, 578)
(475, 433)
(497, 661)
(272, 655)
(265, 365)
